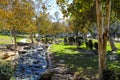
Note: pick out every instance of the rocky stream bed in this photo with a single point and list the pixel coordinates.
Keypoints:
(32, 62)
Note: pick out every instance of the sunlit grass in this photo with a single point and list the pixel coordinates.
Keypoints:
(81, 62)
(76, 60)
(117, 44)
(5, 39)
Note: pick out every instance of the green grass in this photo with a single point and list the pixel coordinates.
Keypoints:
(75, 59)
(5, 39)
(79, 61)
(117, 44)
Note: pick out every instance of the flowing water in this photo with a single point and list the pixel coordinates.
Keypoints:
(31, 64)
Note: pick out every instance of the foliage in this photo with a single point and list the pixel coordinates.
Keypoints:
(46, 40)
(17, 16)
(6, 70)
(85, 9)
(96, 45)
(90, 42)
(44, 24)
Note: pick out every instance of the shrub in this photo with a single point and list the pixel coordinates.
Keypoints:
(87, 44)
(6, 70)
(43, 40)
(108, 75)
(79, 40)
(96, 45)
(71, 40)
(90, 44)
(65, 39)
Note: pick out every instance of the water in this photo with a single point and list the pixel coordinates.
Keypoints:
(31, 65)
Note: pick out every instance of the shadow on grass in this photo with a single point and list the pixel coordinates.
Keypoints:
(78, 61)
(86, 64)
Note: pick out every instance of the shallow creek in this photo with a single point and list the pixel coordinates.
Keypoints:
(31, 64)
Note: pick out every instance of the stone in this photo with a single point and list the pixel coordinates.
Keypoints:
(39, 49)
(6, 55)
(90, 52)
(62, 77)
(27, 47)
(60, 65)
(36, 62)
(46, 75)
(60, 70)
(22, 52)
(61, 61)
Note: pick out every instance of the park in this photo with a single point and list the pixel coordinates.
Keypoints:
(59, 40)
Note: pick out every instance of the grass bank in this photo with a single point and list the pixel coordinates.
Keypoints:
(77, 59)
(5, 39)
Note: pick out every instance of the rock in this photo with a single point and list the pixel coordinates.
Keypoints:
(27, 47)
(113, 57)
(62, 77)
(60, 65)
(36, 62)
(6, 55)
(22, 52)
(90, 52)
(23, 44)
(61, 61)
(60, 70)
(39, 49)
(46, 75)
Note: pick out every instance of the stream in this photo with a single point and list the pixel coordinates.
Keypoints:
(31, 64)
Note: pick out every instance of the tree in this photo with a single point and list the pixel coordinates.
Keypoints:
(44, 24)
(84, 9)
(102, 33)
(17, 14)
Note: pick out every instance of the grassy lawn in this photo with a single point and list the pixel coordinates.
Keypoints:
(5, 39)
(80, 62)
(76, 59)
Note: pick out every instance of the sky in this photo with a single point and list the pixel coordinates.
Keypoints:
(54, 8)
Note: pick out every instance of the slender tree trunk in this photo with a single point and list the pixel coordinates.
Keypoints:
(102, 34)
(100, 39)
(31, 37)
(11, 36)
(113, 47)
(15, 42)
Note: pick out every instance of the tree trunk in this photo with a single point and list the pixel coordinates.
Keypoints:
(15, 42)
(31, 37)
(113, 47)
(11, 36)
(102, 34)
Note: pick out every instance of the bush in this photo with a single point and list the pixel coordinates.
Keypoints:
(43, 40)
(46, 40)
(90, 44)
(65, 40)
(6, 70)
(108, 75)
(96, 45)
(71, 40)
(87, 44)
(79, 40)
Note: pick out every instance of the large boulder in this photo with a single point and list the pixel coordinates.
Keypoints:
(50, 73)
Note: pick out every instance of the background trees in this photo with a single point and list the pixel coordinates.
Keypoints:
(17, 16)
(82, 14)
